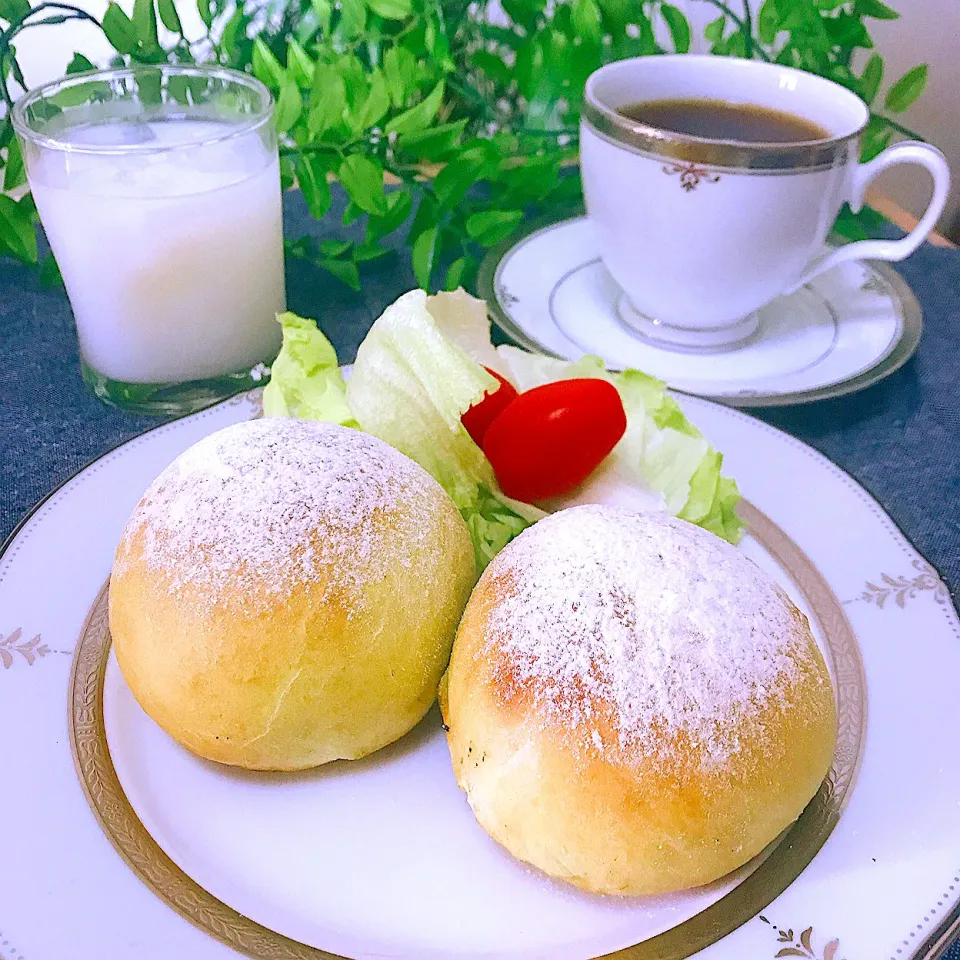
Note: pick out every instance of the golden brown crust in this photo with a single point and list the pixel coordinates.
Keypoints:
(322, 670)
(609, 816)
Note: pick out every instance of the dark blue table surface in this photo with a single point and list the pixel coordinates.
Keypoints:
(900, 438)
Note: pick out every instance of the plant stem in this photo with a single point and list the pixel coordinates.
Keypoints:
(900, 128)
(15, 26)
(748, 27)
(745, 26)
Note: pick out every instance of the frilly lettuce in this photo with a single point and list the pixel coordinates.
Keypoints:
(306, 381)
(409, 386)
(421, 367)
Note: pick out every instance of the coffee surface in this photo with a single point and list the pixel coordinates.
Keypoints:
(722, 120)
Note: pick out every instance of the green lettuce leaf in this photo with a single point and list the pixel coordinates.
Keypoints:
(409, 386)
(305, 379)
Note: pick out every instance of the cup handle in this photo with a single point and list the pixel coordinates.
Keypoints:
(908, 151)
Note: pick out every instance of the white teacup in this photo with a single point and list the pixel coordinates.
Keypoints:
(701, 233)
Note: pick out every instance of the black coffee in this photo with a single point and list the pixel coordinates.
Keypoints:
(721, 120)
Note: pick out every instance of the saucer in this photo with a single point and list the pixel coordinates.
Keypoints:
(843, 331)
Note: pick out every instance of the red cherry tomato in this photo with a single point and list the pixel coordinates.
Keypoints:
(551, 438)
(479, 417)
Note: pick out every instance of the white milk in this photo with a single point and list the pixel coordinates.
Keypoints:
(173, 261)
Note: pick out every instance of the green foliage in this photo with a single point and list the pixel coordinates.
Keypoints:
(435, 120)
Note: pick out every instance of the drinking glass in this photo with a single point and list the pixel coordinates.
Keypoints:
(158, 188)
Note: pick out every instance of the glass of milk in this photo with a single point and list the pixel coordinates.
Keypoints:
(159, 191)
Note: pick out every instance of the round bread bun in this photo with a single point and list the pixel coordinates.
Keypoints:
(633, 706)
(286, 593)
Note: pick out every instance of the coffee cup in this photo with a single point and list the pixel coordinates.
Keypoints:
(701, 233)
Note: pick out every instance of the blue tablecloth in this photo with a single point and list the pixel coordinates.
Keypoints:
(900, 438)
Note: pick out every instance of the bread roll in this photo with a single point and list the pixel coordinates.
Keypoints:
(286, 594)
(633, 706)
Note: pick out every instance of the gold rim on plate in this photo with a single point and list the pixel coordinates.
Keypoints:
(798, 846)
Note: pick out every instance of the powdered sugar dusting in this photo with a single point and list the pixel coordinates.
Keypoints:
(673, 630)
(243, 508)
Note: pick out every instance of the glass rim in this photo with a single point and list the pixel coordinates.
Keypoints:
(251, 124)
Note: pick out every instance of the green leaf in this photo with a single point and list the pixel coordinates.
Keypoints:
(678, 26)
(713, 31)
(391, 9)
(362, 178)
(616, 14)
(434, 143)
(491, 66)
(351, 213)
(455, 274)
(289, 105)
(335, 248)
(266, 67)
(343, 270)
(376, 104)
(50, 272)
(906, 90)
(491, 226)
(356, 82)
(736, 45)
(234, 35)
(17, 232)
(14, 174)
(847, 32)
(145, 24)
(871, 78)
(399, 205)
(876, 138)
(368, 252)
(324, 12)
(353, 18)
(299, 64)
(503, 35)
(451, 184)
(205, 9)
(119, 29)
(522, 12)
(311, 171)
(438, 47)
(848, 226)
(418, 117)
(424, 255)
(875, 9)
(79, 64)
(11, 10)
(400, 69)
(169, 16)
(585, 19)
(328, 99)
(287, 171)
(768, 22)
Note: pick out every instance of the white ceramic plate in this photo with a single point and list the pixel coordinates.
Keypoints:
(382, 858)
(843, 331)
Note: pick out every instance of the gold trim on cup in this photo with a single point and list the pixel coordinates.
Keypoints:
(732, 155)
(796, 848)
